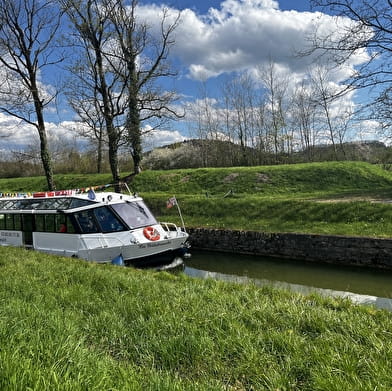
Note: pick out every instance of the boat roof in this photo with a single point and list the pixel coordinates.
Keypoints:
(61, 200)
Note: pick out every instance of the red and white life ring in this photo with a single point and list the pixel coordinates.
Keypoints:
(151, 233)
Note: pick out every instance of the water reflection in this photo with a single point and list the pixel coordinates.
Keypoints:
(362, 286)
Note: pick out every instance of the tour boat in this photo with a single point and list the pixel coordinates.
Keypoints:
(95, 226)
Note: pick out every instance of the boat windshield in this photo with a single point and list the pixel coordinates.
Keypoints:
(135, 214)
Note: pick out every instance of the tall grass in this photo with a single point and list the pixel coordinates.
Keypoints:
(67, 324)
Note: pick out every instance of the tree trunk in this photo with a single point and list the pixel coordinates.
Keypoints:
(45, 155)
(133, 118)
(99, 154)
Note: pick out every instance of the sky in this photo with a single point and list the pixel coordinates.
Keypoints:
(214, 39)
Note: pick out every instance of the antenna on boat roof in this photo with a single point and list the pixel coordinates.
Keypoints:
(127, 187)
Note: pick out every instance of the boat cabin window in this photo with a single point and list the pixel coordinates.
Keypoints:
(135, 214)
(9, 221)
(99, 220)
(64, 224)
(107, 220)
(18, 222)
(53, 223)
(50, 225)
(86, 221)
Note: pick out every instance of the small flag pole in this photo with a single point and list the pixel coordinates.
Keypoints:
(179, 212)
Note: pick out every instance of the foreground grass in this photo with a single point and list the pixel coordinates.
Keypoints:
(71, 325)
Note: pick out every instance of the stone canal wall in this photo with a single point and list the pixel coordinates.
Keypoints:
(357, 251)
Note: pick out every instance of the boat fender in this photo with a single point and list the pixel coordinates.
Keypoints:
(151, 233)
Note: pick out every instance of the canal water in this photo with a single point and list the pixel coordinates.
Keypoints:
(363, 286)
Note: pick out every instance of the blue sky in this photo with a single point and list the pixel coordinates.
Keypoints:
(216, 39)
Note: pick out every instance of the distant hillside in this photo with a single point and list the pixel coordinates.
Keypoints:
(367, 151)
(201, 153)
(217, 153)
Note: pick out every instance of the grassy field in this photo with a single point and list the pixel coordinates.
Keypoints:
(66, 324)
(350, 198)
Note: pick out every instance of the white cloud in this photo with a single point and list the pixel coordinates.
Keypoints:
(18, 135)
(158, 138)
(243, 34)
(15, 134)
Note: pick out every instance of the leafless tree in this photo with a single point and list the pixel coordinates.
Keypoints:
(92, 124)
(123, 63)
(97, 85)
(303, 111)
(145, 61)
(323, 98)
(275, 92)
(366, 27)
(27, 32)
(206, 122)
(333, 116)
(242, 102)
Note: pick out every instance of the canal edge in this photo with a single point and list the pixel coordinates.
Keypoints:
(367, 252)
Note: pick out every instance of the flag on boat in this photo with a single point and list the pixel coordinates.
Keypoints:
(91, 194)
(171, 202)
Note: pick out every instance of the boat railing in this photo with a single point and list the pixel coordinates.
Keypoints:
(170, 227)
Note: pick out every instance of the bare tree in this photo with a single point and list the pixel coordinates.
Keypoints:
(303, 111)
(123, 62)
(366, 27)
(323, 98)
(332, 114)
(97, 85)
(275, 86)
(92, 124)
(27, 32)
(145, 60)
(242, 102)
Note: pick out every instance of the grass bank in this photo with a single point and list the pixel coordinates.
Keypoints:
(67, 324)
(357, 218)
(344, 198)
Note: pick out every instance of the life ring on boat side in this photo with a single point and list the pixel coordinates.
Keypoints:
(151, 233)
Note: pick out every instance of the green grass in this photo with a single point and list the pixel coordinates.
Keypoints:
(66, 324)
(288, 181)
(279, 215)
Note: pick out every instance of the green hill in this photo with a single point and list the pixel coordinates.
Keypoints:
(286, 198)
(287, 180)
(290, 181)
